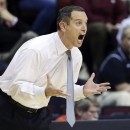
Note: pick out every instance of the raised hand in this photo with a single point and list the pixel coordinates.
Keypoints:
(53, 91)
(90, 88)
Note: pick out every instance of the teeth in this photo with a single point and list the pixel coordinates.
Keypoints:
(80, 41)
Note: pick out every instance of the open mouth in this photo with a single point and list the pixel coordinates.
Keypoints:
(80, 38)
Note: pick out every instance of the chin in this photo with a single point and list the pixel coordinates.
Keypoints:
(79, 45)
(94, 119)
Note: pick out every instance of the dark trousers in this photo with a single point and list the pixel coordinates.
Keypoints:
(14, 118)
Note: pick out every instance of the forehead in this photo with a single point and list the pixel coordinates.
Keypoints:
(2, 1)
(92, 107)
(79, 15)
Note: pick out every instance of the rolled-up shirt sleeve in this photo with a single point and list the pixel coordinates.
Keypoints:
(78, 89)
(26, 71)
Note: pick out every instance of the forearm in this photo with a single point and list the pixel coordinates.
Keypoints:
(78, 91)
(23, 83)
(29, 92)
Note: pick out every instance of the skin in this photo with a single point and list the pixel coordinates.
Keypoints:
(5, 14)
(69, 34)
(3, 4)
(126, 41)
(91, 114)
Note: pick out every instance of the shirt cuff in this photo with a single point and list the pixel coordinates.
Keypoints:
(14, 21)
(79, 92)
(40, 92)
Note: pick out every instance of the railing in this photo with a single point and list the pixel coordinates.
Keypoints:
(122, 124)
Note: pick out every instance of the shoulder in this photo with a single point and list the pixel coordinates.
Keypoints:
(42, 42)
(43, 45)
(111, 61)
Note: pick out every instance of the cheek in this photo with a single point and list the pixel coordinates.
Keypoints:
(87, 116)
(125, 45)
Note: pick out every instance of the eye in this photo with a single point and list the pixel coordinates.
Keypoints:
(78, 23)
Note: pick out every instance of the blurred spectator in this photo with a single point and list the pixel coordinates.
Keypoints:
(127, 4)
(47, 11)
(85, 109)
(12, 31)
(104, 17)
(116, 70)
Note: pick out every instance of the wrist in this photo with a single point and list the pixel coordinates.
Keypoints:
(46, 92)
(84, 92)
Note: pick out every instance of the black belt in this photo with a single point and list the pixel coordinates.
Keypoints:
(27, 109)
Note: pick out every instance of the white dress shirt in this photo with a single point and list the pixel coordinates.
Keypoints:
(25, 78)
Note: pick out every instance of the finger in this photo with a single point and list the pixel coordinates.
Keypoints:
(65, 94)
(58, 91)
(96, 92)
(106, 87)
(48, 79)
(62, 94)
(92, 76)
(103, 89)
(104, 84)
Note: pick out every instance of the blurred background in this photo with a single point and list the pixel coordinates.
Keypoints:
(105, 50)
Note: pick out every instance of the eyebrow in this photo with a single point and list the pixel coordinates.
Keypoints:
(80, 20)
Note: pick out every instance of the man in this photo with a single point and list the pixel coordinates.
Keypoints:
(116, 70)
(85, 109)
(104, 17)
(13, 32)
(39, 71)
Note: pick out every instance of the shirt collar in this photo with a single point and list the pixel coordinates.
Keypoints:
(59, 45)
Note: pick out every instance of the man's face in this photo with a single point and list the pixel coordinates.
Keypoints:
(126, 42)
(91, 114)
(76, 29)
(3, 4)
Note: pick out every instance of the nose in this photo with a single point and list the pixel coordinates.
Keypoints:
(84, 28)
(96, 115)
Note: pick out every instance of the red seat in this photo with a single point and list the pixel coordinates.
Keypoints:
(109, 110)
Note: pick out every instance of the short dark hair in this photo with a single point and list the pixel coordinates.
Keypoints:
(85, 104)
(65, 14)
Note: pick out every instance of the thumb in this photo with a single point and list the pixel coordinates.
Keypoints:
(48, 79)
(92, 76)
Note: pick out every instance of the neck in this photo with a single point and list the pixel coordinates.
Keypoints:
(64, 40)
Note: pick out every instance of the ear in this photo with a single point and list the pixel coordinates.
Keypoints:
(79, 112)
(62, 26)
